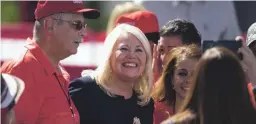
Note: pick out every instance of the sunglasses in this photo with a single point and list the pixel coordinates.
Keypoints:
(77, 25)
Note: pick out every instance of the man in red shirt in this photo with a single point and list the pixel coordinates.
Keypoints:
(59, 29)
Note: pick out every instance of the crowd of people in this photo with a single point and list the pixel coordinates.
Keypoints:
(147, 75)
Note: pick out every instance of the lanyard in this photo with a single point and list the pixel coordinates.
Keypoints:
(67, 97)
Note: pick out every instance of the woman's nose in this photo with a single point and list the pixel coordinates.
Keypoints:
(131, 54)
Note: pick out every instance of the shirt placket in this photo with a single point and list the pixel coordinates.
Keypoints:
(64, 86)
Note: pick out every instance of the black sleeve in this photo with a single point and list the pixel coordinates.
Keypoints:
(78, 84)
(81, 92)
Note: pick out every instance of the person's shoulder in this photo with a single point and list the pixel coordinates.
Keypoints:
(24, 62)
(162, 104)
(15, 67)
(151, 102)
(162, 107)
(149, 105)
(82, 83)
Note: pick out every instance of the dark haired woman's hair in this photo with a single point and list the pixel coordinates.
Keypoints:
(184, 29)
(219, 93)
(163, 90)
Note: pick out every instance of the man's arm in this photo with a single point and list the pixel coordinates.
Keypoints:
(30, 102)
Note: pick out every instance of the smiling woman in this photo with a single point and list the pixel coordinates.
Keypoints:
(129, 58)
(121, 85)
(172, 86)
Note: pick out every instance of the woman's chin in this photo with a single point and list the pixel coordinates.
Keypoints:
(182, 95)
(131, 77)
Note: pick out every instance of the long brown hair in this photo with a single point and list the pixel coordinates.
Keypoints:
(219, 93)
(163, 90)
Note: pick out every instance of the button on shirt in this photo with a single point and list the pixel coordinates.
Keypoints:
(45, 99)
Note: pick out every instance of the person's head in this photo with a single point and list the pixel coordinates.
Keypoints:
(146, 21)
(175, 33)
(251, 38)
(11, 89)
(127, 58)
(120, 9)
(219, 93)
(60, 26)
(175, 79)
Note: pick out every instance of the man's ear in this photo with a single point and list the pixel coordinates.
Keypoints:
(48, 24)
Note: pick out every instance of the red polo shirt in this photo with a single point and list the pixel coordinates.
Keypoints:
(162, 112)
(45, 99)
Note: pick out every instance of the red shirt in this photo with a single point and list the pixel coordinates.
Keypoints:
(43, 100)
(250, 89)
(162, 112)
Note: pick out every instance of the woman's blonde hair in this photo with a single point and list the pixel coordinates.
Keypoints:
(103, 73)
(120, 9)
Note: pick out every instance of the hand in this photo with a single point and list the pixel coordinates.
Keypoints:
(157, 64)
(248, 62)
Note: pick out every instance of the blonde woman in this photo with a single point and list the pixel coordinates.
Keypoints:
(118, 11)
(118, 91)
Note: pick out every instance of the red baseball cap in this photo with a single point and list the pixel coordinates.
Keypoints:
(46, 8)
(146, 21)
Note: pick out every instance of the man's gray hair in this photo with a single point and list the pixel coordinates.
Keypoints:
(39, 23)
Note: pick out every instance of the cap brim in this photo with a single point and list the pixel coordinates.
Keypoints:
(251, 39)
(15, 89)
(90, 13)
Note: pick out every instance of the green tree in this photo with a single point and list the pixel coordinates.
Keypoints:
(9, 12)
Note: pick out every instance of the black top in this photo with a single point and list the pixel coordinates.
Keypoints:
(96, 107)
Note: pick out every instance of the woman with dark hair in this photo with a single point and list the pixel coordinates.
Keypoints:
(219, 93)
(170, 90)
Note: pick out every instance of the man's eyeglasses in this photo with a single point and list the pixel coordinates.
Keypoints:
(78, 25)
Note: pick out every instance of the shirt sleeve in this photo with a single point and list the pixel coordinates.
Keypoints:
(81, 92)
(28, 107)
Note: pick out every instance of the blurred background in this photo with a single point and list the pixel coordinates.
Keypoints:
(214, 19)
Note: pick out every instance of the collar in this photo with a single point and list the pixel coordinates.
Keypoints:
(131, 99)
(42, 58)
